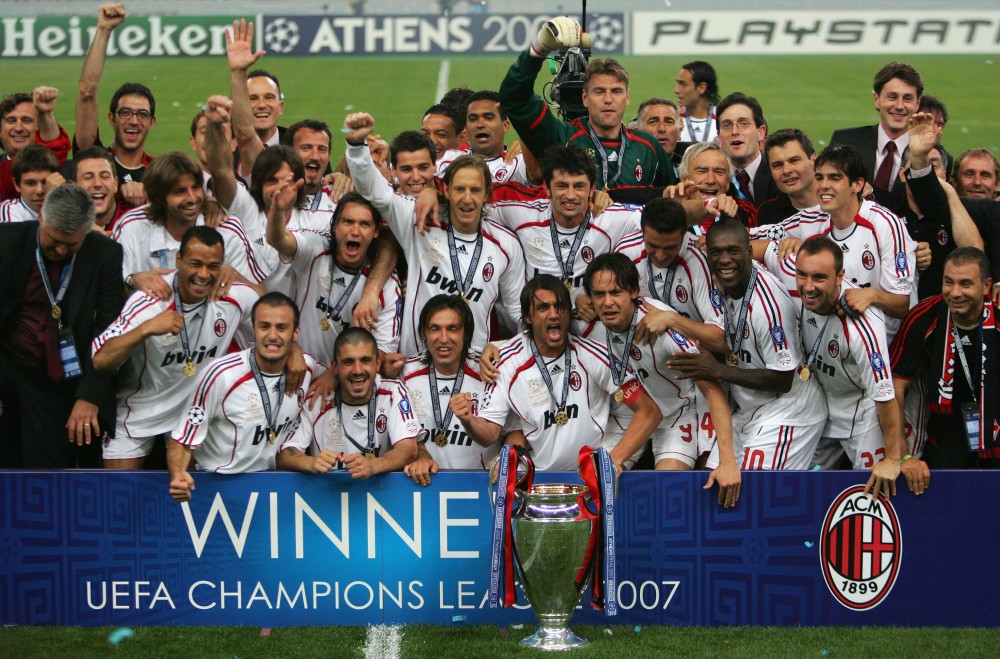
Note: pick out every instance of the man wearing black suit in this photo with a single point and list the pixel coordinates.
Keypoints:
(896, 90)
(60, 286)
(742, 131)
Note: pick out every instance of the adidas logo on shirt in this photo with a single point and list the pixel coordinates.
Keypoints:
(966, 341)
(812, 321)
(564, 244)
(657, 277)
(339, 281)
(445, 392)
(461, 250)
(557, 369)
(615, 339)
(358, 416)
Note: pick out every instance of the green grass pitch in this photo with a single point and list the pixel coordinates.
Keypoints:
(814, 93)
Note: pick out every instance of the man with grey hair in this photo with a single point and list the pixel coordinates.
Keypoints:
(705, 173)
(60, 286)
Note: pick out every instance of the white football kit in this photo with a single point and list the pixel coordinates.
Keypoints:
(499, 272)
(502, 171)
(520, 389)
(372, 428)
(148, 246)
(153, 386)
(327, 298)
(675, 436)
(446, 440)
(226, 423)
(15, 210)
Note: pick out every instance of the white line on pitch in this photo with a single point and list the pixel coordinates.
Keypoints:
(443, 74)
(383, 642)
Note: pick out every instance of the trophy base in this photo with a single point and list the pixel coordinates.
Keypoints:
(547, 638)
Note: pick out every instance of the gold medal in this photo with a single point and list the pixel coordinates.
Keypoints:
(804, 374)
(569, 285)
(464, 299)
(189, 368)
(271, 436)
(56, 311)
(440, 438)
(561, 417)
(324, 324)
(733, 359)
(370, 455)
(619, 395)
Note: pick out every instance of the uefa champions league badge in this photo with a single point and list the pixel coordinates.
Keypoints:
(860, 548)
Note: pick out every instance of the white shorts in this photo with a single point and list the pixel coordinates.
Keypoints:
(123, 447)
(863, 449)
(773, 448)
(614, 433)
(668, 443)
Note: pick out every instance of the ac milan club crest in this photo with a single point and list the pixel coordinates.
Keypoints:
(681, 294)
(587, 253)
(833, 348)
(942, 237)
(488, 272)
(868, 260)
(381, 423)
(638, 172)
(220, 326)
(861, 548)
(575, 381)
(634, 353)
(500, 174)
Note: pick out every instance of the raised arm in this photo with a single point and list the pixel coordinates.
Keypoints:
(218, 157)
(239, 48)
(109, 16)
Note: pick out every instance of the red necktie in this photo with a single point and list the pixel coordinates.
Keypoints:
(743, 180)
(884, 174)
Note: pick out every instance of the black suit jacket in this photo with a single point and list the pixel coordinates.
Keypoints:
(764, 187)
(93, 300)
(865, 140)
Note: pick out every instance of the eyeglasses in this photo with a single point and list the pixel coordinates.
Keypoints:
(141, 115)
(742, 124)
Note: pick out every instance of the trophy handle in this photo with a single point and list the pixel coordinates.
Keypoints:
(523, 482)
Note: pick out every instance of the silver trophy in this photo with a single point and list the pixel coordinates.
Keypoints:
(551, 531)
(550, 542)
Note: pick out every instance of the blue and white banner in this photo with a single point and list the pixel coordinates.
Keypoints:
(280, 549)
(476, 34)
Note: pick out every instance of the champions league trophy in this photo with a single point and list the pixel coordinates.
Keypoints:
(556, 538)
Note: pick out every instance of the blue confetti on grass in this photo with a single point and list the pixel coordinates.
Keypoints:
(120, 635)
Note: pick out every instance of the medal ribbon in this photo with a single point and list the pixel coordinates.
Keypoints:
(708, 126)
(566, 265)
(265, 397)
(185, 341)
(734, 342)
(464, 283)
(547, 379)
(370, 449)
(618, 374)
(960, 349)
(811, 359)
(502, 591)
(436, 404)
(604, 155)
(64, 277)
(598, 473)
(668, 281)
(314, 204)
(335, 312)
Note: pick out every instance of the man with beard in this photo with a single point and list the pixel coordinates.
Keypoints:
(367, 427)
(311, 139)
(780, 416)
(612, 282)
(35, 170)
(446, 369)
(949, 344)
(697, 92)
(159, 346)
(332, 272)
(93, 169)
(486, 125)
(240, 413)
(132, 113)
(847, 355)
(624, 158)
(560, 386)
(463, 253)
(150, 236)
